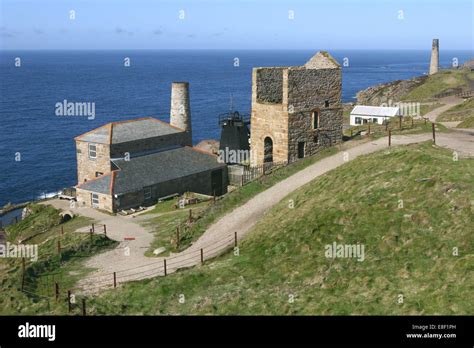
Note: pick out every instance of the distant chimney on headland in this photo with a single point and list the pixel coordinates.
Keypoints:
(434, 57)
(180, 113)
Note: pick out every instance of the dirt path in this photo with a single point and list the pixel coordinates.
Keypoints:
(133, 265)
(449, 103)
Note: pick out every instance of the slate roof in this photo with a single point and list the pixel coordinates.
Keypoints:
(385, 111)
(124, 131)
(152, 169)
(99, 185)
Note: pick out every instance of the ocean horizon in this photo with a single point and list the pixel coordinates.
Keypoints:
(45, 142)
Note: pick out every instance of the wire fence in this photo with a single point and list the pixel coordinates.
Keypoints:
(49, 287)
(375, 129)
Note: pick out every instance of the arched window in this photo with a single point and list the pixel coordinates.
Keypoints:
(268, 150)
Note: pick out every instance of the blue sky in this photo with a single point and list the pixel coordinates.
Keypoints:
(237, 24)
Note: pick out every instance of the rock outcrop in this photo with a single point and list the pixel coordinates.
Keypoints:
(394, 91)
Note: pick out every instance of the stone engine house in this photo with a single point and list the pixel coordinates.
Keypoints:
(295, 110)
(131, 163)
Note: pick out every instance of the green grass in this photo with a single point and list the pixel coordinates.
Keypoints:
(437, 83)
(164, 226)
(408, 250)
(467, 123)
(425, 108)
(459, 112)
(44, 228)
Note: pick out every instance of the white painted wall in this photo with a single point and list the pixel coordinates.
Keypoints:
(380, 119)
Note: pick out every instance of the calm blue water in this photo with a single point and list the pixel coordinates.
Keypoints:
(45, 141)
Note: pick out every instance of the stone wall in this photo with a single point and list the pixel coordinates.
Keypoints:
(314, 90)
(290, 122)
(269, 120)
(270, 85)
(301, 130)
(87, 167)
(156, 143)
(310, 88)
(84, 199)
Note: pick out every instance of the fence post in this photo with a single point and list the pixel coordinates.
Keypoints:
(115, 280)
(91, 232)
(69, 304)
(84, 307)
(389, 137)
(56, 289)
(434, 132)
(400, 123)
(351, 132)
(59, 247)
(62, 230)
(23, 267)
(202, 256)
(235, 239)
(105, 230)
(412, 122)
(177, 237)
(93, 229)
(164, 263)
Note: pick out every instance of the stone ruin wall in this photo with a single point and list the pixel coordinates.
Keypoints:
(269, 116)
(308, 90)
(270, 85)
(282, 103)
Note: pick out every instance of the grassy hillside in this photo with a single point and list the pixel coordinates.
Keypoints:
(43, 228)
(205, 213)
(458, 112)
(467, 123)
(443, 81)
(408, 249)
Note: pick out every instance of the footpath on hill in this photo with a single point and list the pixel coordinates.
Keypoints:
(220, 235)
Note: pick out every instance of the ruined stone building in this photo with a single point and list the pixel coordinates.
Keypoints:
(131, 163)
(295, 110)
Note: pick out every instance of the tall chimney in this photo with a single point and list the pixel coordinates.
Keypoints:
(434, 57)
(180, 113)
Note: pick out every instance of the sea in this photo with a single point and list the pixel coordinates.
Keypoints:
(37, 153)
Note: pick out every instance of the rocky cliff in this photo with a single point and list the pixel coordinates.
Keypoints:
(384, 92)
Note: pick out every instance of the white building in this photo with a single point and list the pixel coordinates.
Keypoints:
(362, 114)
